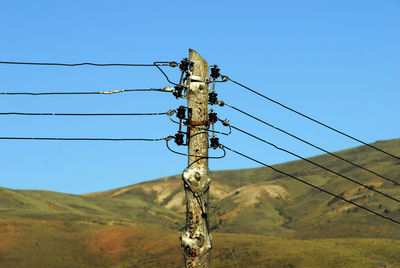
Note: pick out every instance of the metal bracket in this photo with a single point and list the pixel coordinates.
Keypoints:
(195, 78)
(198, 123)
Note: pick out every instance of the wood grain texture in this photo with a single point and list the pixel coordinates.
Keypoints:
(196, 241)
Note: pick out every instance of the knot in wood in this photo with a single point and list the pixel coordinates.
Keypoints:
(197, 176)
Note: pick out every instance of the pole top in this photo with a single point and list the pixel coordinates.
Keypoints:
(202, 66)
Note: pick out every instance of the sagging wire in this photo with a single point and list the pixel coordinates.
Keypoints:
(214, 144)
(179, 140)
(172, 64)
(202, 128)
(179, 90)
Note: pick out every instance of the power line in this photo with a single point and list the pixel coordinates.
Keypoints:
(160, 63)
(309, 184)
(165, 89)
(314, 120)
(166, 76)
(82, 139)
(312, 145)
(318, 165)
(85, 114)
(199, 157)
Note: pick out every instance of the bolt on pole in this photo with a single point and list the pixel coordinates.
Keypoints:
(196, 240)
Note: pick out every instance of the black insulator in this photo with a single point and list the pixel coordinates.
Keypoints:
(181, 112)
(212, 117)
(212, 98)
(179, 138)
(184, 66)
(215, 72)
(178, 91)
(214, 142)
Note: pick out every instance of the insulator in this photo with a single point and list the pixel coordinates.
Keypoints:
(178, 91)
(215, 72)
(181, 112)
(214, 142)
(212, 98)
(212, 117)
(184, 66)
(179, 138)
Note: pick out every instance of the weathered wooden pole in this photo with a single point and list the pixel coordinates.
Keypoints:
(196, 241)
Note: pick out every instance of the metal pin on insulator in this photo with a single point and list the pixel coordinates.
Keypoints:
(214, 142)
(179, 138)
(215, 72)
(212, 117)
(181, 112)
(212, 98)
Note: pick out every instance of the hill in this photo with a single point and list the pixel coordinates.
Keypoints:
(261, 201)
(262, 218)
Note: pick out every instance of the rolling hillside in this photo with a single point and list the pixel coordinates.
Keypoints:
(261, 201)
(266, 219)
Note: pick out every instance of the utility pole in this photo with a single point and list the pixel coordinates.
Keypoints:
(196, 241)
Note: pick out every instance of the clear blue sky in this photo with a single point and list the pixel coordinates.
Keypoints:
(337, 61)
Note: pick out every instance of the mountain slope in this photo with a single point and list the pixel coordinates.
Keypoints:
(261, 201)
(259, 216)
(46, 205)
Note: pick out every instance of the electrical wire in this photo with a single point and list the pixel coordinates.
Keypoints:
(156, 64)
(312, 145)
(314, 120)
(309, 184)
(161, 63)
(75, 114)
(187, 185)
(201, 157)
(82, 139)
(88, 93)
(316, 164)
